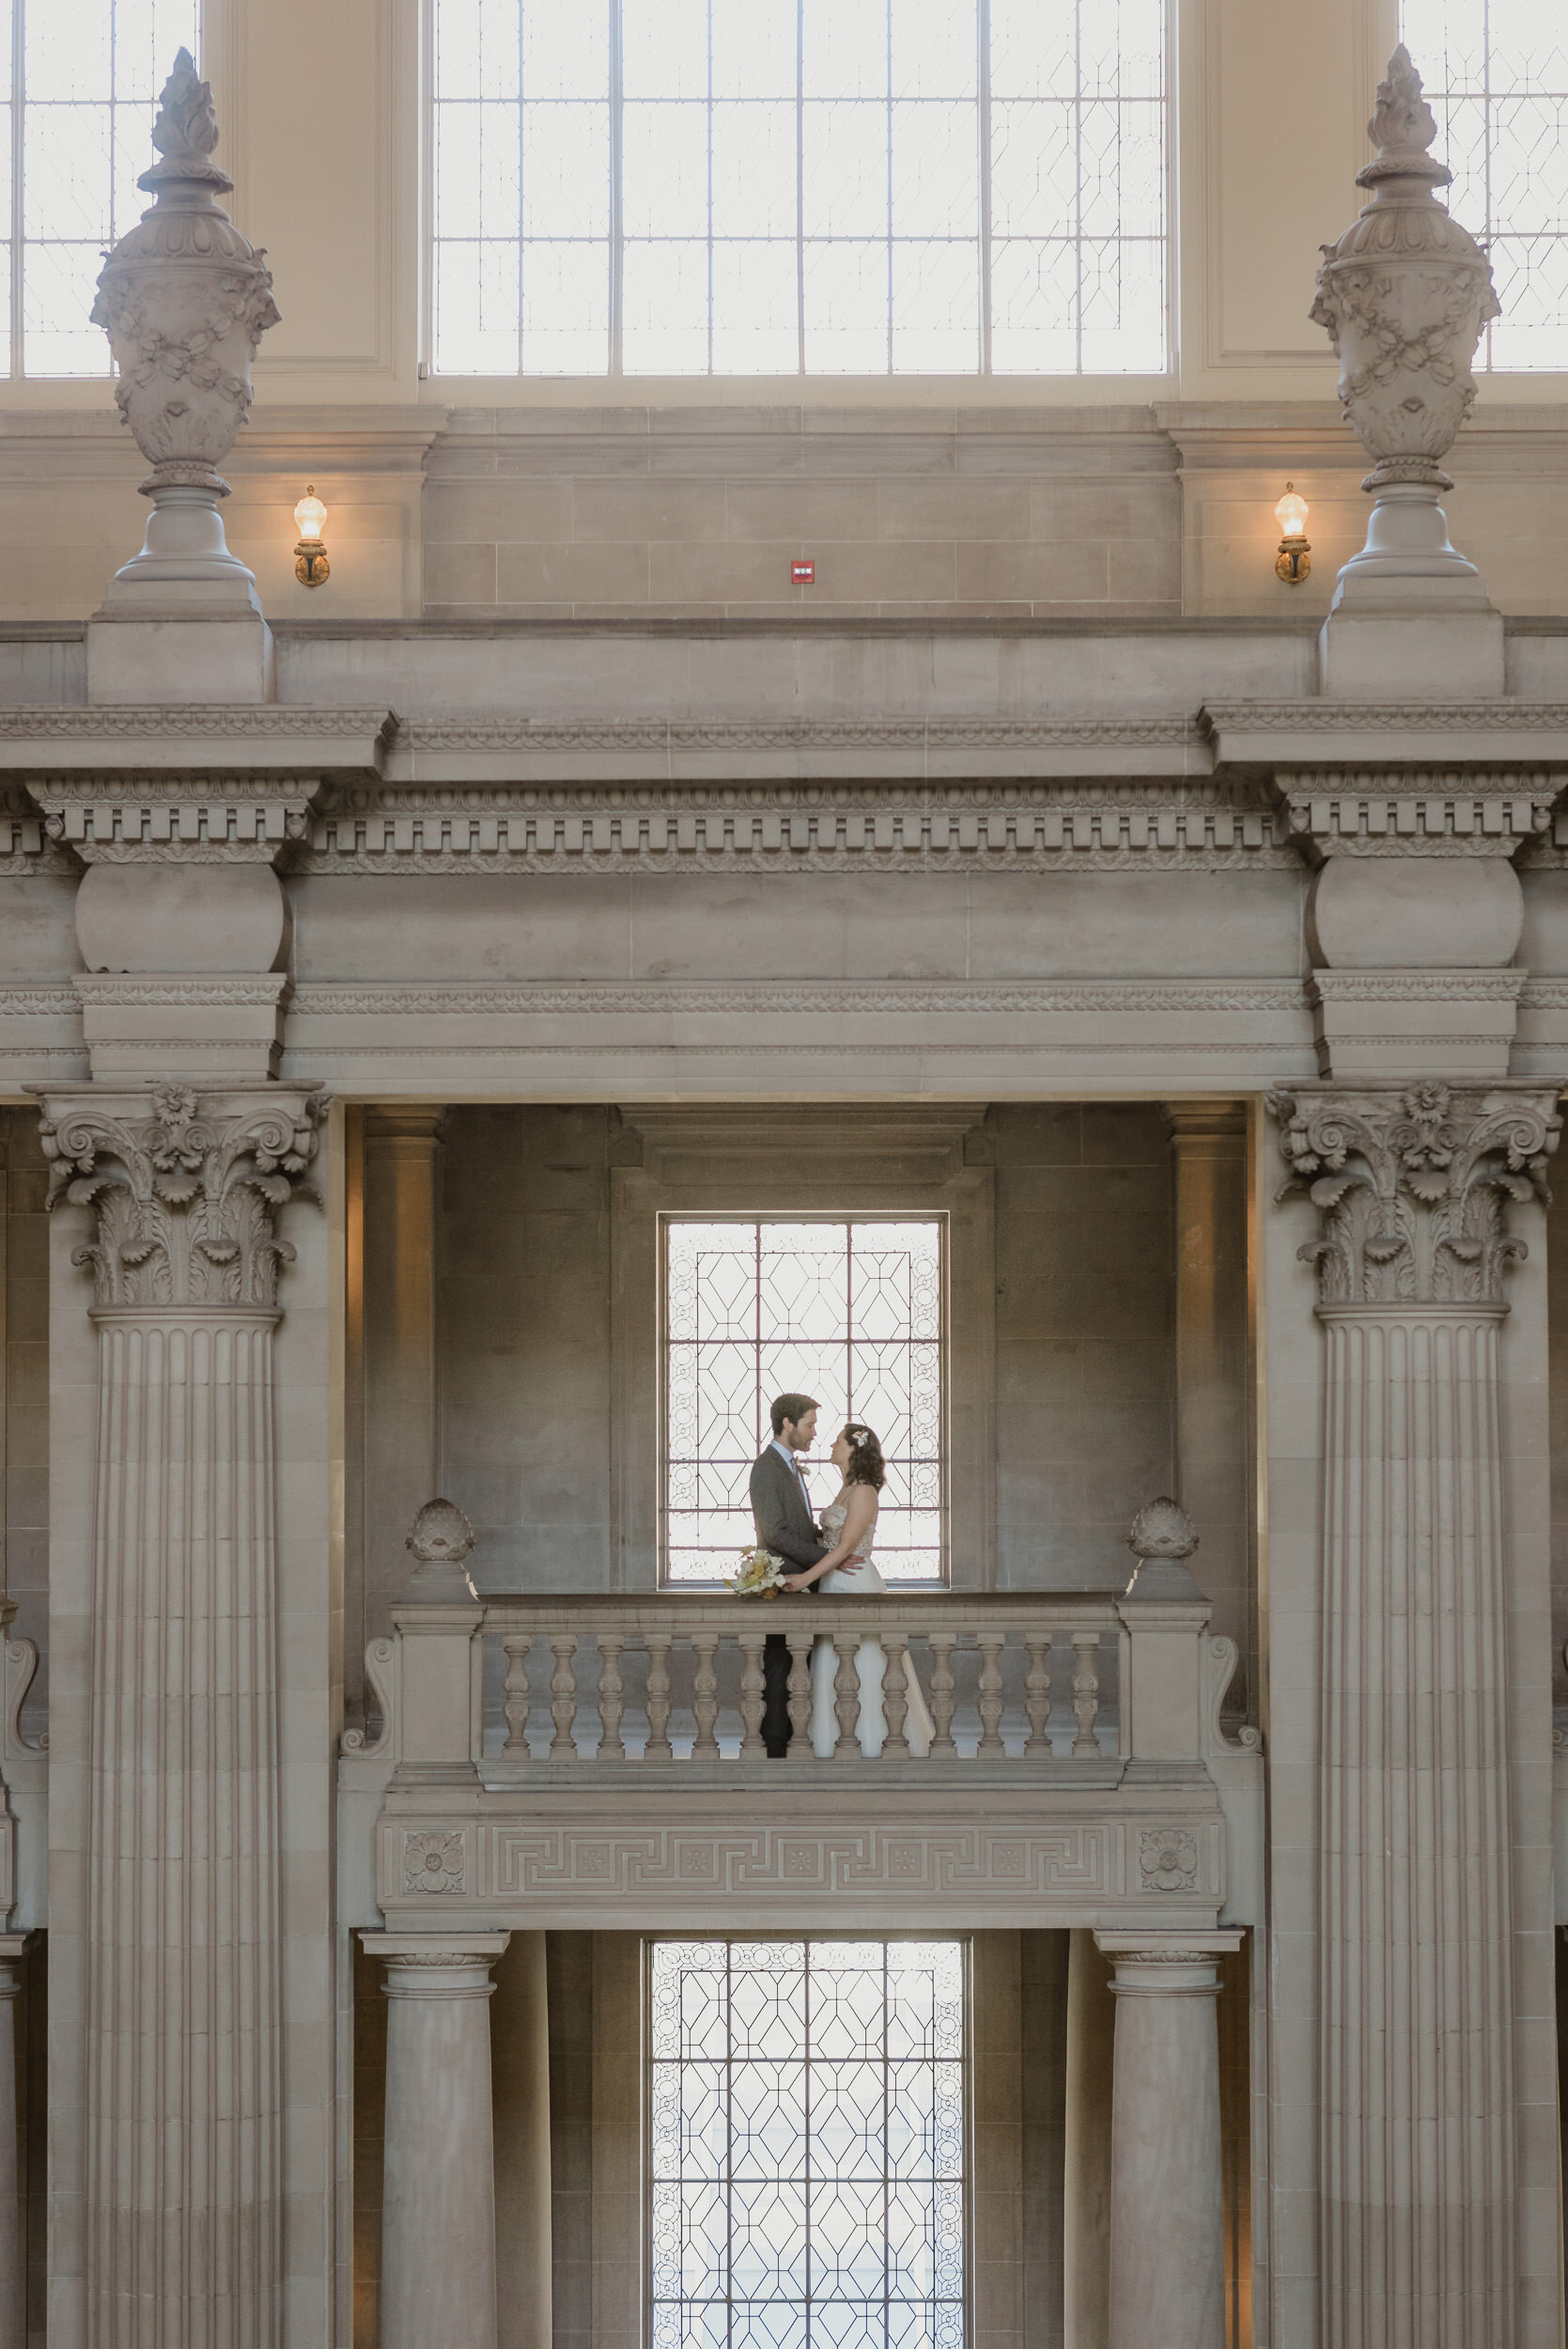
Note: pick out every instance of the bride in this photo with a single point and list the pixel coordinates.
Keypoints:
(850, 1521)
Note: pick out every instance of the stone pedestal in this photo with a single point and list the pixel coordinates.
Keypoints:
(438, 2210)
(1167, 2204)
(1418, 2121)
(183, 1960)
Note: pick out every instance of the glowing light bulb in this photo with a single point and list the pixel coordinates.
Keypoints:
(1291, 513)
(310, 514)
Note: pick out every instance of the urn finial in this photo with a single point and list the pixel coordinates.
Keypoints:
(1404, 295)
(185, 299)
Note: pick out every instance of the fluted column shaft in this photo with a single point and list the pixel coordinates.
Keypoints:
(1417, 2141)
(1421, 1192)
(183, 2027)
(438, 2208)
(183, 1998)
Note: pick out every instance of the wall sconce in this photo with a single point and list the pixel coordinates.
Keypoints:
(310, 556)
(1294, 560)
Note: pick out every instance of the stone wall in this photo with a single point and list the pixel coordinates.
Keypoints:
(1083, 1356)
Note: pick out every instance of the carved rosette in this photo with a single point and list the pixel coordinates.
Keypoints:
(1404, 295)
(185, 299)
(1413, 1187)
(186, 1194)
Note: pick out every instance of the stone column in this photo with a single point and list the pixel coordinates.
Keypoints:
(401, 1467)
(1167, 2198)
(1417, 2206)
(14, 2280)
(1208, 1147)
(183, 1969)
(438, 2207)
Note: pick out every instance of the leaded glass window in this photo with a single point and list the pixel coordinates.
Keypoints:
(1497, 79)
(808, 2144)
(850, 1310)
(79, 82)
(743, 187)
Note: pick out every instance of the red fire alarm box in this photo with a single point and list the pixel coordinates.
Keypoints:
(803, 574)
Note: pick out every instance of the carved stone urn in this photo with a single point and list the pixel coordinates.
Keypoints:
(1404, 295)
(185, 299)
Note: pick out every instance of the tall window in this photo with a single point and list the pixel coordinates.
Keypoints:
(808, 2144)
(1497, 79)
(739, 187)
(79, 82)
(850, 1312)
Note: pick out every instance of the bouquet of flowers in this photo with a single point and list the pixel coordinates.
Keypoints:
(760, 1575)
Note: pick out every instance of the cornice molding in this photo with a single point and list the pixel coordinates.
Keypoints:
(661, 998)
(266, 737)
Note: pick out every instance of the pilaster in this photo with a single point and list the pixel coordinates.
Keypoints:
(183, 2070)
(402, 1164)
(1418, 1192)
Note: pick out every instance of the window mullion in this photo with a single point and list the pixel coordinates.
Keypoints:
(19, 137)
(983, 84)
(617, 94)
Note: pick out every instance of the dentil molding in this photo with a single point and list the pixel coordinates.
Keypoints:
(1412, 1187)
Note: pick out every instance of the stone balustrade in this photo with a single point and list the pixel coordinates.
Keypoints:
(680, 1678)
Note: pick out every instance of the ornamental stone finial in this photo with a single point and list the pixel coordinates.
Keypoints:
(1162, 1540)
(185, 299)
(440, 1538)
(1404, 295)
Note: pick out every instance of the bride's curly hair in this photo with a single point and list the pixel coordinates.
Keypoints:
(866, 1464)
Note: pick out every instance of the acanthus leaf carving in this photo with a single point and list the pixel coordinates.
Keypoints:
(185, 1195)
(1413, 1187)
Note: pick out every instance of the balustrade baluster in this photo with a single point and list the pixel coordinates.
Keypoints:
(846, 1695)
(705, 1697)
(943, 1644)
(990, 1645)
(800, 1695)
(517, 1646)
(1037, 1692)
(659, 1747)
(1086, 1691)
(563, 1695)
(896, 1694)
(612, 1746)
(751, 1694)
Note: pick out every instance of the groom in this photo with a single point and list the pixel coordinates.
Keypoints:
(781, 1506)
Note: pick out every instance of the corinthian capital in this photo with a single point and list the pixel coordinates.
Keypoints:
(185, 1188)
(1413, 1187)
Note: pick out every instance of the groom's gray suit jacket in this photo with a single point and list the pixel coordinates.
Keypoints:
(784, 1522)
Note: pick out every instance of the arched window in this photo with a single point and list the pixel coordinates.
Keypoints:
(773, 187)
(1497, 79)
(80, 82)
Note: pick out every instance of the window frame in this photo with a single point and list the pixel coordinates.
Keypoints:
(15, 106)
(965, 1942)
(1488, 230)
(613, 372)
(756, 1219)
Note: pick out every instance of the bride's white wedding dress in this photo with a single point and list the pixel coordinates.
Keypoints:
(865, 1583)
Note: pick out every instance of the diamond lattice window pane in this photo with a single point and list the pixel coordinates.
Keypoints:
(1495, 73)
(806, 2143)
(850, 1312)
